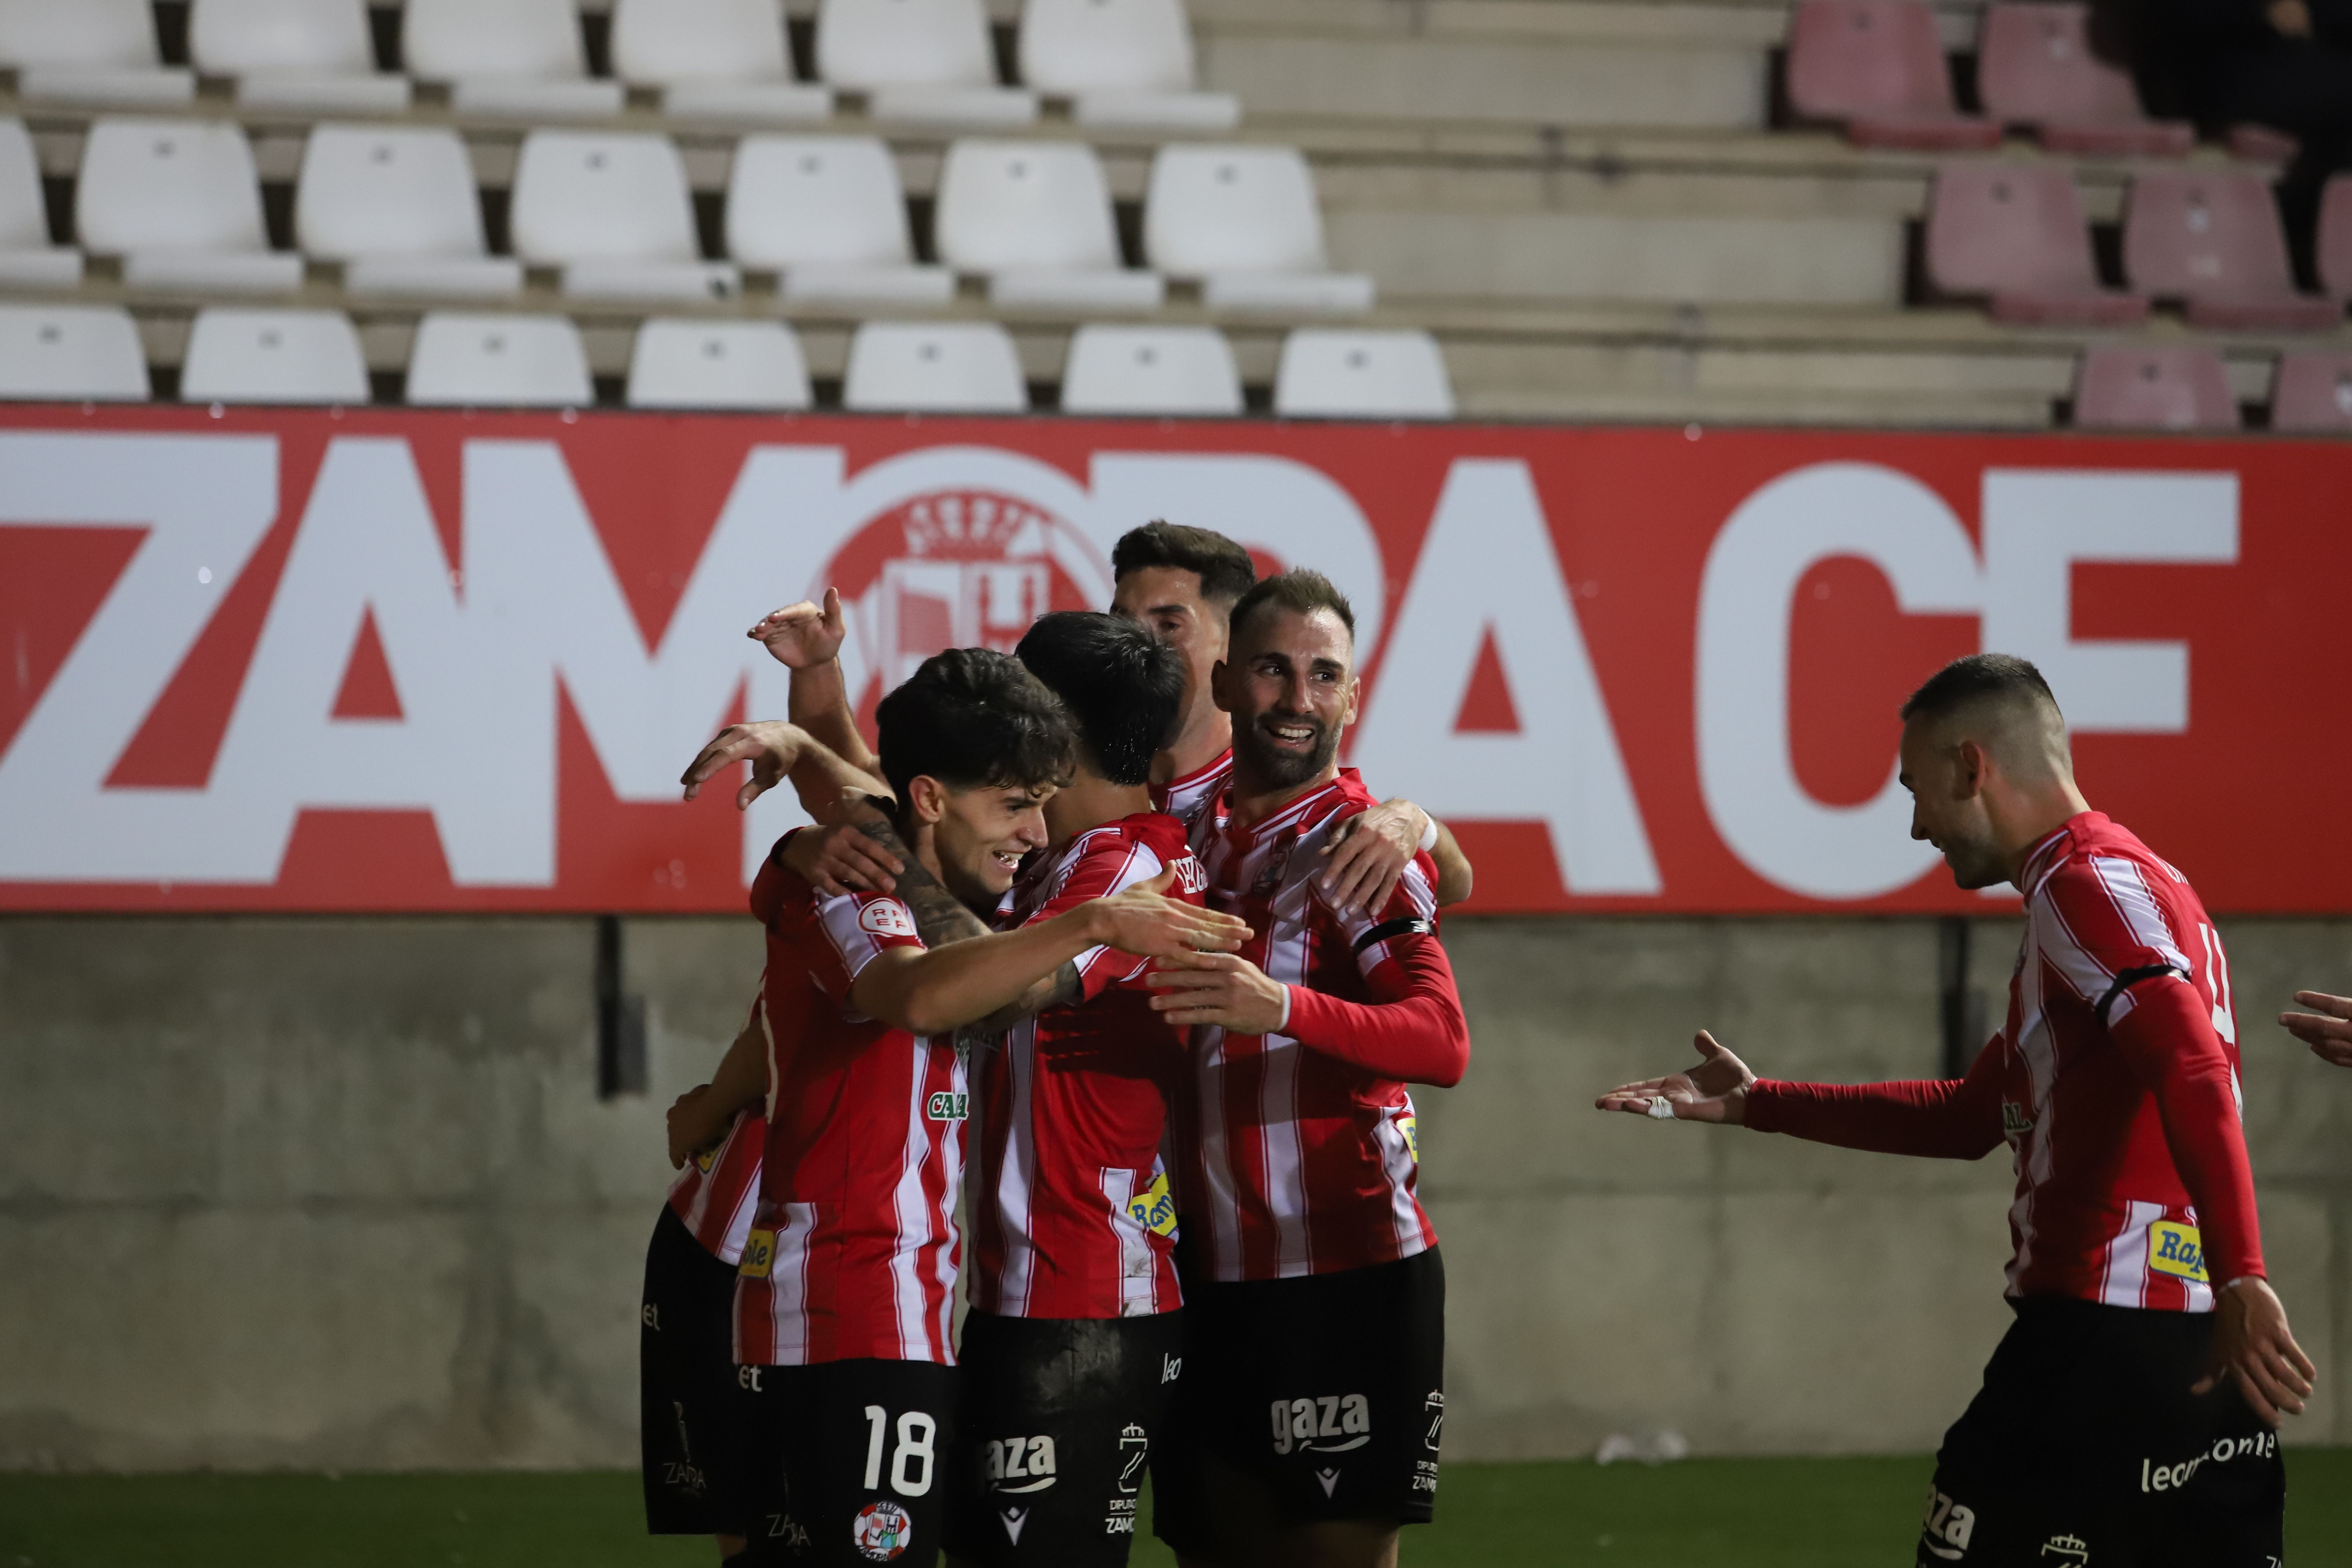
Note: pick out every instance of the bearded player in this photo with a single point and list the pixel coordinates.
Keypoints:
(845, 1300)
(1313, 1386)
(2129, 1415)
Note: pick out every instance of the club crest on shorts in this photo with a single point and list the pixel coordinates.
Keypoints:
(881, 1532)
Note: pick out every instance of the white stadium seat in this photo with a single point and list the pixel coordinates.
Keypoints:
(1123, 63)
(828, 212)
(294, 54)
(397, 205)
(88, 51)
(614, 210)
(80, 352)
(520, 362)
(1372, 376)
(921, 61)
(27, 259)
(714, 59)
(523, 57)
(273, 356)
(945, 367)
(178, 199)
(1151, 370)
(682, 364)
(1244, 220)
(1035, 217)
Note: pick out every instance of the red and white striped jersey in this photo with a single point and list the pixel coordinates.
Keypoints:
(1290, 1161)
(2114, 1081)
(717, 1192)
(854, 1252)
(1071, 1214)
(1187, 798)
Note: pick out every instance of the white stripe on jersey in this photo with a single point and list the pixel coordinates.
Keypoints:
(1139, 1270)
(915, 1218)
(2037, 1048)
(1397, 1165)
(1017, 1178)
(2125, 1283)
(2127, 891)
(787, 1284)
(2055, 939)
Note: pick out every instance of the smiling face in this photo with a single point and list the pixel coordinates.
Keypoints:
(1947, 804)
(1291, 687)
(1166, 601)
(980, 834)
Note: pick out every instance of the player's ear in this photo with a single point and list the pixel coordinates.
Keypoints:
(1355, 700)
(1968, 768)
(927, 797)
(1221, 677)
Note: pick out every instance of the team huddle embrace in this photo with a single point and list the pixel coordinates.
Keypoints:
(1102, 926)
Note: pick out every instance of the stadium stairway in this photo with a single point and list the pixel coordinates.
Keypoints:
(1588, 200)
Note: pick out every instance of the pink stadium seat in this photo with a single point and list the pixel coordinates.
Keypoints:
(2335, 237)
(2261, 144)
(2118, 387)
(2312, 391)
(1878, 66)
(2214, 239)
(2034, 67)
(2015, 232)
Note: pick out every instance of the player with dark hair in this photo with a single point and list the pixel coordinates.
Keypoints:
(1072, 1345)
(2128, 1415)
(1313, 1386)
(844, 1304)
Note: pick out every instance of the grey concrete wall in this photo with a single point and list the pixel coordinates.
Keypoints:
(340, 1193)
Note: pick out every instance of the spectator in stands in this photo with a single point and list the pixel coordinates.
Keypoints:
(2285, 64)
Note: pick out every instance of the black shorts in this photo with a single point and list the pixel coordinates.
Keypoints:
(849, 1462)
(691, 1409)
(2084, 1446)
(1327, 1390)
(1059, 1418)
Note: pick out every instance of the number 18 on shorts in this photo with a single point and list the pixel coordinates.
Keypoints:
(848, 1463)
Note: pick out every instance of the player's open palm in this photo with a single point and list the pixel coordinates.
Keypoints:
(803, 635)
(771, 748)
(1715, 1090)
(1142, 920)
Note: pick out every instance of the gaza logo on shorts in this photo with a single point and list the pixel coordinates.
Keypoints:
(887, 917)
(1154, 1208)
(758, 1255)
(2177, 1249)
(1948, 1526)
(947, 1105)
(1302, 1425)
(881, 1532)
(1027, 1460)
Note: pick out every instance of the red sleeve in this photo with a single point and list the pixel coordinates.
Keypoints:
(1108, 863)
(1944, 1119)
(2168, 1037)
(1415, 1032)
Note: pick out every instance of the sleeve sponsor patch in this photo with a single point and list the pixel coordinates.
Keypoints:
(885, 917)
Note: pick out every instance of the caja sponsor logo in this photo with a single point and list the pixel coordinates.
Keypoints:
(1330, 1424)
(947, 1105)
(2156, 1478)
(1948, 1527)
(1028, 1461)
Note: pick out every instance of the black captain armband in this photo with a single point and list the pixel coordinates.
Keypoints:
(2129, 978)
(1411, 925)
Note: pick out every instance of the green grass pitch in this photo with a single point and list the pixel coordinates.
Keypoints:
(1720, 1514)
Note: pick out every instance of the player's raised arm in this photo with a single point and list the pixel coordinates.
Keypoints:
(821, 776)
(806, 639)
(2327, 1028)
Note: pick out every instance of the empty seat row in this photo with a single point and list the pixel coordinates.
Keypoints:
(2014, 234)
(1878, 67)
(237, 355)
(398, 206)
(2125, 387)
(1126, 62)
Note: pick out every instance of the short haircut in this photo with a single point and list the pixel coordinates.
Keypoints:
(2005, 701)
(972, 718)
(1224, 567)
(1297, 589)
(1122, 687)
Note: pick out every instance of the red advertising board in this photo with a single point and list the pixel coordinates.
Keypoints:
(383, 660)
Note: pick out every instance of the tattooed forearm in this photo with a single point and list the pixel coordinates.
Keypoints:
(940, 915)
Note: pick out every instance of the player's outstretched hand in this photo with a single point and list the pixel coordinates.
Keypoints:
(1368, 852)
(838, 858)
(1146, 923)
(2252, 1344)
(1715, 1090)
(803, 635)
(2327, 1029)
(693, 1125)
(1221, 988)
(770, 747)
